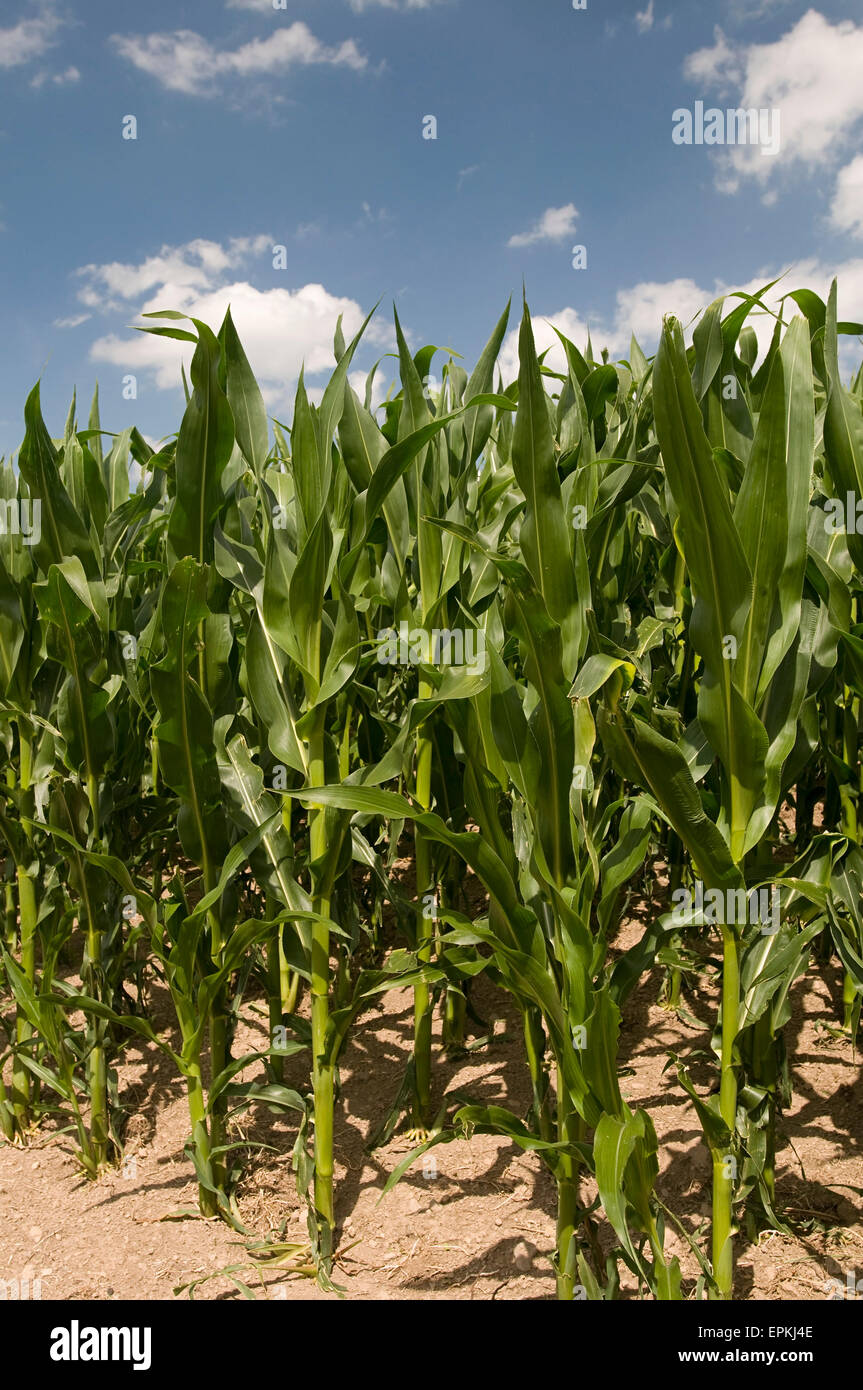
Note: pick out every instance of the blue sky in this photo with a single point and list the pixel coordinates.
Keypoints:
(302, 126)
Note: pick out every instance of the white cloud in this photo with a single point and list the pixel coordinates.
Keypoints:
(745, 11)
(556, 224)
(192, 267)
(640, 308)
(184, 61)
(569, 322)
(72, 321)
(280, 328)
(720, 66)
(644, 18)
(811, 75)
(373, 217)
(846, 212)
(29, 38)
(59, 79)
(359, 6)
(816, 275)
(380, 385)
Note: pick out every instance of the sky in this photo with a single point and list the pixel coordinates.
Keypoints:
(301, 159)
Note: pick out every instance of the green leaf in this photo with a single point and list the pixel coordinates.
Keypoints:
(245, 399)
(545, 535)
(63, 534)
(187, 755)
(204, 447)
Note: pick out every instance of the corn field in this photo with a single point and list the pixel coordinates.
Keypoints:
(563, 643)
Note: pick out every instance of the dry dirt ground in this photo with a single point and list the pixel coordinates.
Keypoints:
(478, 1223)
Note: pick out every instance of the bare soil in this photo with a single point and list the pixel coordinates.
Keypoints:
(478, 1221)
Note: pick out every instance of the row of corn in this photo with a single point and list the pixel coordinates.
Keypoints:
(586, 637)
